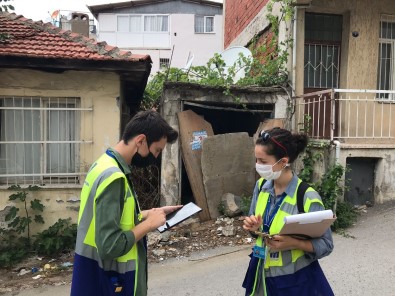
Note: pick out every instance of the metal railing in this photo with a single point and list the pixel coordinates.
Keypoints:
(347, 114)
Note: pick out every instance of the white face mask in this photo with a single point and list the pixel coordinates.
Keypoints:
(266, 171)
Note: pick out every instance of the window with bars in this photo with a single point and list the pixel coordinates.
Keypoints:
(142, 23)
(386, 63)
(322, 50)
(39, 140)
(204, 24)
(164, 63)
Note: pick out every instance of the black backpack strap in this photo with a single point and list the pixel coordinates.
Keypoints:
(260, 187)
(302, 188)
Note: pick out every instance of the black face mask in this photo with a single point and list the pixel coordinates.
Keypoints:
(141, 162)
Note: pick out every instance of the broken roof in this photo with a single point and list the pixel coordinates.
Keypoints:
(47, 46)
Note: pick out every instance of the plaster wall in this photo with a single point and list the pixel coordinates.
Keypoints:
(96, 90)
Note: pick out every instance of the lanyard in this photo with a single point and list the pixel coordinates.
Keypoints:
(139, 215)
(270, 214)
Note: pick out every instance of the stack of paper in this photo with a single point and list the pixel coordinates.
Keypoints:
(308, 225)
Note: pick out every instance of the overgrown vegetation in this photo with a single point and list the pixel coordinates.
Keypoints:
(16, 240)
(266, 68)
(328, 187)
(57, 238)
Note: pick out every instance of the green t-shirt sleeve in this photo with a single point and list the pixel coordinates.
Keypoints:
(111, 240)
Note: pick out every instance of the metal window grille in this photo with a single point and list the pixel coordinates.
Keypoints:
(164, 63)
(40, 140)
(322, 50)
(386, 63)
(321, 69)
(204, 24)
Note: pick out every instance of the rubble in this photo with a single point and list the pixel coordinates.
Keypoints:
(183, 240)
(179, 242)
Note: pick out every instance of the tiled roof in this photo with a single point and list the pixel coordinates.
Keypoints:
(26, 38)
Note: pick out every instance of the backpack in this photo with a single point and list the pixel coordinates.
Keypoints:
(302, 188)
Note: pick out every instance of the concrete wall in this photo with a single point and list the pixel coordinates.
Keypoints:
(95, 89)
(228, 166)
(384, 177)
(173, 96)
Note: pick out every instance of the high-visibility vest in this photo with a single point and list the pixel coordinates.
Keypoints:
(104, 171)
(288, 207)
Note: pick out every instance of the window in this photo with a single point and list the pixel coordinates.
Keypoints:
(386, 67)
(164, 63)
(156, 23)
(140, 23)
(39, 140)
(204, 24)
(323, 34)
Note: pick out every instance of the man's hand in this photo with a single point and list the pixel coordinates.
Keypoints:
(171, 209)
(155, 217)
(252, 223)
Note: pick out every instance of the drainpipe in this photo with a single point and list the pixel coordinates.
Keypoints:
(337, 155)
(294, 50)
(337, 150)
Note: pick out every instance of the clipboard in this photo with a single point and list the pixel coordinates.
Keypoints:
(308, 225)
(179, 216)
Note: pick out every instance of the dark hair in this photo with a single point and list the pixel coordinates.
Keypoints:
(152, 125)
(281, 142)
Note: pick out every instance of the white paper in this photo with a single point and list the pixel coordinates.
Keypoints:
(180, 215)
(306, 218)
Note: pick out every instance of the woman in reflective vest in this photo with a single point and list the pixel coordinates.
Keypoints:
(283, 265)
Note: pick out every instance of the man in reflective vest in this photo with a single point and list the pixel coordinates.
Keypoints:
(111, 250)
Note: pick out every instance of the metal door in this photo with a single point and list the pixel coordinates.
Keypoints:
(360, 180)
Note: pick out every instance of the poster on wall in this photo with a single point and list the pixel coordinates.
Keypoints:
(197, 138)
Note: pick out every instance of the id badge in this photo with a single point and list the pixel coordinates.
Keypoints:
(259, 252)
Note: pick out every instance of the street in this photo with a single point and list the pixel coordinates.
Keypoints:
(363, 265)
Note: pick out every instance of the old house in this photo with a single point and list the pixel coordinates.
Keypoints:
(170, 31)
(64, 99)
(342, 72)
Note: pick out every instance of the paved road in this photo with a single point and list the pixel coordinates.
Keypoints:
(364, 265)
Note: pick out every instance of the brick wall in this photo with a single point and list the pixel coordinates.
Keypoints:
(238, 14)
(264, 46)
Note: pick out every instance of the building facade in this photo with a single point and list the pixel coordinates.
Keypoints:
(171, 32)
(342, 71)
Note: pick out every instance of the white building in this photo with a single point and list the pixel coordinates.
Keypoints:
(170, 31)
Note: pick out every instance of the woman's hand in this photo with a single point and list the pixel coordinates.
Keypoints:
(252, 223)
(287, 242)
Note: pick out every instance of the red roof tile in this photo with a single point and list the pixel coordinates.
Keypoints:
(27, 38)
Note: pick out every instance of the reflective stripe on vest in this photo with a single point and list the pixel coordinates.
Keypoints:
(293, 259)
(104, 171)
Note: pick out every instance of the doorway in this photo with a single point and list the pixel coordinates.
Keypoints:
(323, 35)
(360, 180)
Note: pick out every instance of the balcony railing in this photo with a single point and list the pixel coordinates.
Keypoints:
(351, 115)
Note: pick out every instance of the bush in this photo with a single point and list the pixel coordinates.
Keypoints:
(346, 216)
(57, 238)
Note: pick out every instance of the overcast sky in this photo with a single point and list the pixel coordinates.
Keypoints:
(42, 9)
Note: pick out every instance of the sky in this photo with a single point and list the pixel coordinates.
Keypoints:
(42, 9)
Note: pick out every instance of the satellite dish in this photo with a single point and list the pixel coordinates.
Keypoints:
(231, 56)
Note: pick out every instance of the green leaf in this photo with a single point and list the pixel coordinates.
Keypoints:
(38, 219)
(14, 223)
(11, 214)
(37, 205)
